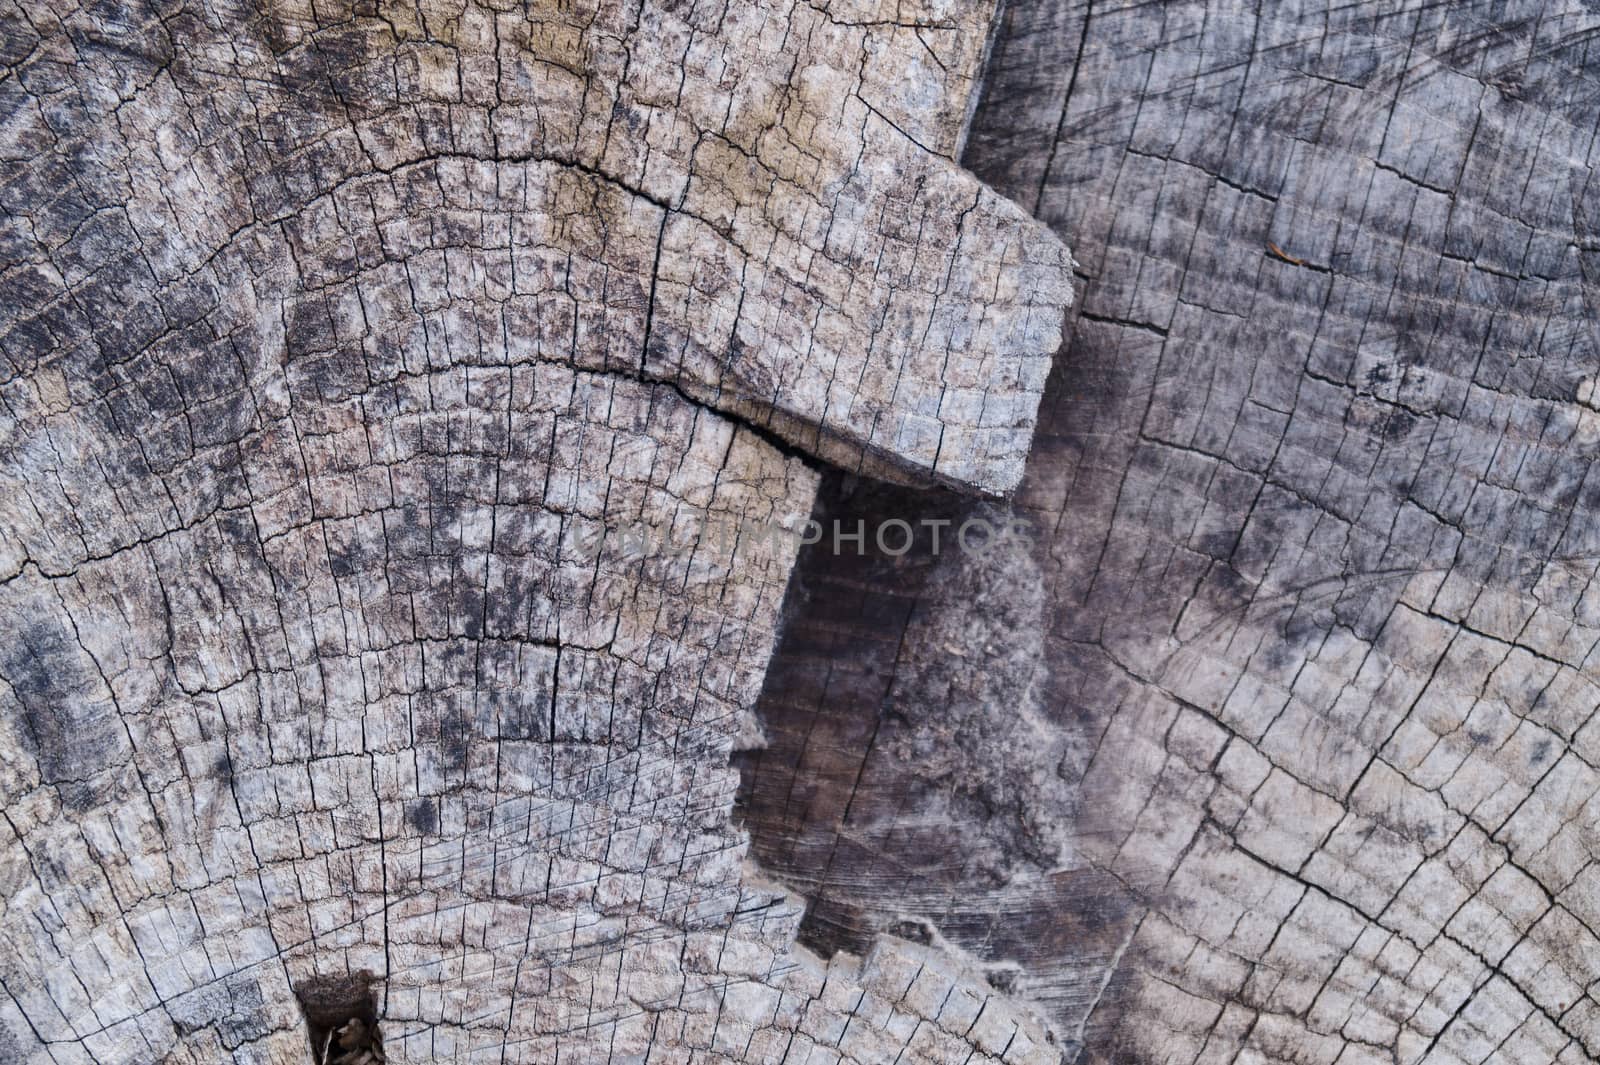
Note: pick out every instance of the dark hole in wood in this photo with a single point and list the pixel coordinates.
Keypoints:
(342, 1019)
(819, 783)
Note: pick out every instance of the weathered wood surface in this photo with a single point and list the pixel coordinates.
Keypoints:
(1314, 651)
(338, 338)
(345, 346)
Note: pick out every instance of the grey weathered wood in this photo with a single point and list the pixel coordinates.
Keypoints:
(1278, 743)
(345, 346)
(1318, 544)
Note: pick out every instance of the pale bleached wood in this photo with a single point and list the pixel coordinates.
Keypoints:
(346, 348)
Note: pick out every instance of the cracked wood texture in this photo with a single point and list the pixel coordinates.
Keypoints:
(1280, 740)
(346, 348)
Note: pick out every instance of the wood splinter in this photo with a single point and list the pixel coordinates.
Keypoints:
(1285, 256)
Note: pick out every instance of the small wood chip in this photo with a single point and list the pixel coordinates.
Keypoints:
(1285, 256)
